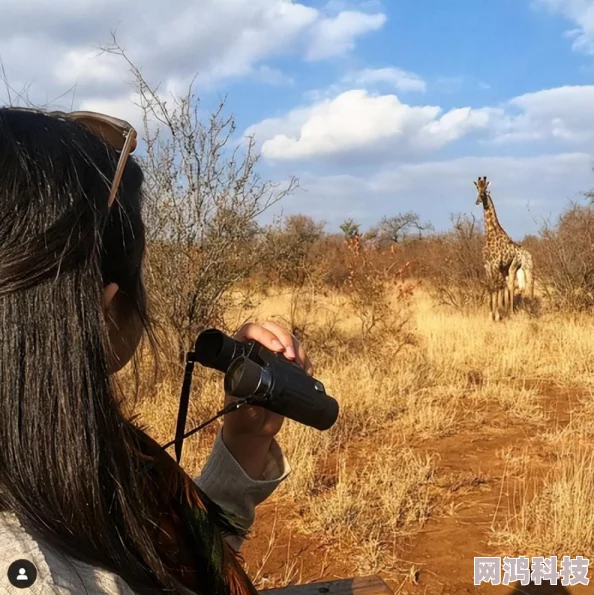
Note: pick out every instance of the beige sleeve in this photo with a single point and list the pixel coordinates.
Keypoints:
(226, 483)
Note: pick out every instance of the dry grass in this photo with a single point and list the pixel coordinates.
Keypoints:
(374, 503)
(555, 511)
(552, 494)
(462, 366)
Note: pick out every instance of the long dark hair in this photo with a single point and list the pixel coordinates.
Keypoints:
(69, 460)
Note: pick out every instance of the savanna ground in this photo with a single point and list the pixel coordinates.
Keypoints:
(457, 436)
(475, 439)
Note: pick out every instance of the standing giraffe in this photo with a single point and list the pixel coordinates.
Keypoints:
(504, 259)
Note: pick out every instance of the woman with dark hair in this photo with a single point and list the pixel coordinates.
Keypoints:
(85, 495)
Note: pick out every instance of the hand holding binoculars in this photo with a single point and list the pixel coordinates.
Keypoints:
(266, 379)
(255, 375)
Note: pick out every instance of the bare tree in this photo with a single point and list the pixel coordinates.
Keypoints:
(566, 258)
(203, 198)
(401, 228)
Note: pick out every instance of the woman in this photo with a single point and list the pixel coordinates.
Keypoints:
(85, 495)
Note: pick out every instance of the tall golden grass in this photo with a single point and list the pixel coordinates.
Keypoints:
(370, 482)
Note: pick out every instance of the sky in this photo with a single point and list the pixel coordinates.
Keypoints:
(377, 106)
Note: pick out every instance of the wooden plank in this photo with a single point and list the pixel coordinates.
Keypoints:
(364, 585)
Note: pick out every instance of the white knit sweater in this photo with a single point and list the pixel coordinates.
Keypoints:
(222, 479)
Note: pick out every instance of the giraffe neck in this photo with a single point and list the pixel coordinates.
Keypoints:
(492, 225)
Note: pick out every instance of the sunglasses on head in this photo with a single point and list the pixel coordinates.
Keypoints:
(118, 134)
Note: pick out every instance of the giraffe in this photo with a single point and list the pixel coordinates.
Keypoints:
(505, 261)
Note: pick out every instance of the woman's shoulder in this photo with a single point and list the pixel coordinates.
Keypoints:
(56, 574)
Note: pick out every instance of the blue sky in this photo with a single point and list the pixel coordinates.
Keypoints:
(377, 106)
(470, 53)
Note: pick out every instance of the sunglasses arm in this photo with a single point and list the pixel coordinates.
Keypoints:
(126, 150)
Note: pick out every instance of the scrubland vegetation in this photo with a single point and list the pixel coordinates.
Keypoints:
(457, 436)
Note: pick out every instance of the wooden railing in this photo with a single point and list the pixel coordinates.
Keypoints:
(364, 585)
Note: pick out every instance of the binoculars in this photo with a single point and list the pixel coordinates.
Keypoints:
(266, 379)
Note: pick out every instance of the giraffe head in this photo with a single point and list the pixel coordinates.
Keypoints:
(482, 190)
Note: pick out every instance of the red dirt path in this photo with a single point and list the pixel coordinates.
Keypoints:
(439, 559)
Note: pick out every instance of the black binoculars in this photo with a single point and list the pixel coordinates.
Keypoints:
(267, 379)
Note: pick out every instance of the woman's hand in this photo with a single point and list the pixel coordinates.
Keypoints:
(249, 431)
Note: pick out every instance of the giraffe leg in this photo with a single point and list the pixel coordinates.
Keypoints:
(511, 287)
(495, 305)
(496, 282)
(504, 299)
(500, 298)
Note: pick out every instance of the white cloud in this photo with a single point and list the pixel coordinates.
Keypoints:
(581, 13)
(356, 121)
(401, 80)
(513, 180)
(93, 70)
(53, 45)
(336, 35)
(525, 190)
(453, 125)
(125, 107)
(561, 115)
